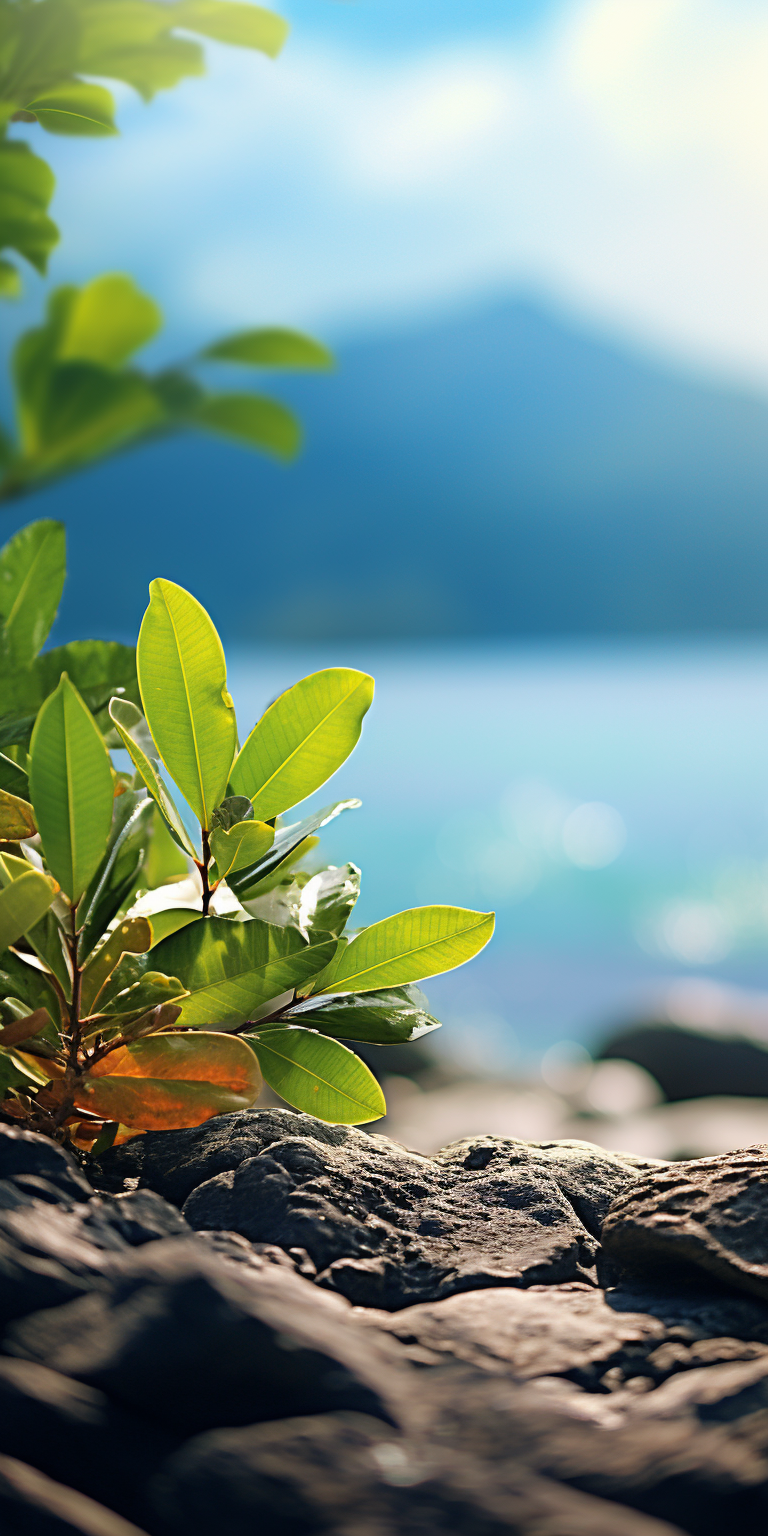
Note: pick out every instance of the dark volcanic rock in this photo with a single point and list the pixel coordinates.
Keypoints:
(711, 1213)
(383, 1226)
(32, 1505)
(192, 1341)
(25, 1155)
(347, 1475)
(544, 1331)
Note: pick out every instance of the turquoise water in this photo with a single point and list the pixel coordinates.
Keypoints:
(611, 804)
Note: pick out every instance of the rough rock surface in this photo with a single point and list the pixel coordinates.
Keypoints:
(383, 1226)
(711, 1214)
(509, 1381)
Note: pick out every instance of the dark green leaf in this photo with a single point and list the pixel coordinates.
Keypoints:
(232, 810)
(13, 778)
(392, 1017)
(28, 982)
(328, 898)
(119, 871)
(245, 882)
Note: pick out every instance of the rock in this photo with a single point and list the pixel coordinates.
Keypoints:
(50, 1253)
(347, 1475)
(711, 1214)
(382, 1226)
(544, 1331)
(690, 1062)
(73, 1434)
(22, 1153)
(32, 1505)
(192, 1341)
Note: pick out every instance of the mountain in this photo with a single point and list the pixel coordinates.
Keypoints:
(497, 474)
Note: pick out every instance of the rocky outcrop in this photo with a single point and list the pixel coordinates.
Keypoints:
(268, 1323)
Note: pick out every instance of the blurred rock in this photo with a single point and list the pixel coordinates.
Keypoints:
(700, 1039)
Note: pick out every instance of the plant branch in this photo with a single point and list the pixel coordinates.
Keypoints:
(203, 868)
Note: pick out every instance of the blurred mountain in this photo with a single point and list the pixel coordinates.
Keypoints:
(497, 474)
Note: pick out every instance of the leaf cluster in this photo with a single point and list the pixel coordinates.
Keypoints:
(127, 1010)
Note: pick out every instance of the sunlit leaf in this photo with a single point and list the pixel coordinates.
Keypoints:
(70, 780)
(17, 819)
(393, 1017)
(22, 904)
(153, 989)
(244, 844)
(251, 419)
(26, 189)
(109, 320)
(131, 937)
(409, 946)
(171, 919)
(328, 898)
(170, 1081)
(319, 1075)
(249, 881)
(232, 969)
(119, 870)
(10, 288)
(228, 21)
(132, 728)
(302, 739)
(270, 349)
(183, 682)
(32, 571)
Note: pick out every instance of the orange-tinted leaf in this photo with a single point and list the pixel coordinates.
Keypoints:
(171, 1081)
(23, 1029)
(161, 1017)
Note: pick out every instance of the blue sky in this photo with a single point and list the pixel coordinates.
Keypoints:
(405, 158)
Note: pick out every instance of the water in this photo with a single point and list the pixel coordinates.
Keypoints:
(611, 804)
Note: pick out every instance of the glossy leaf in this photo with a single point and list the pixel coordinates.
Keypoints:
(393, 1017)
(248, 881)
(70, 781)
(328, 899)
(171, 1081)
(183, 683)
(170, 919)
(13, 778)
(17, 819)
(22, 1029)
(234, 809)
(164, 1016)
(244, 844)
(75, 108)
(228, 21)
(270, 349)
(131, 727)
(302, 739)
(232, 969)
(32, 571)
(409, 946)
(109, 320)
(22, 904)
(131, 937)
(22, 979)
(119, 871)
(151, 990)
(319, 1075)
(251, 419)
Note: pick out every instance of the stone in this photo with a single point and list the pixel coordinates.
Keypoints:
(26, 1154)
(383, 1226)
(191, 1341)
(710, 1214)
(73, 1434)
(348, 1475)
(33, 1505)
(543, 1331)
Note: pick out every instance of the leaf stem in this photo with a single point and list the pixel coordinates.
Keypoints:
(202, 865)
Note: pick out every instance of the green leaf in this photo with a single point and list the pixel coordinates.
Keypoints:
(75, 108)
(12, 778)
(170, 919)
(109, 320)
(244, 844)
(17, 819)
(409, 946)
(70, 781)
(10, 288)
(150, 991)
(302, 739)
(234, 809)
(248, 882)
(18, 978)
(131, 937)
(166, 863)
(119, 870)
(170, 1081)
(22, 904)
(32, 572)
(328, 898)
(89, 411)
(319, 1076)
(252, 419)
(98, 668)
(26, 189)
(232, 969)
(245, 26)
(393, 1017)
(10, 1074)
(183, 682)
(270, 349)
(132, 728)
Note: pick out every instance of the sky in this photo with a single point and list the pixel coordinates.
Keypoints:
(406, 158)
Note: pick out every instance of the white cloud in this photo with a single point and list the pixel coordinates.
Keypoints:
(618, 165)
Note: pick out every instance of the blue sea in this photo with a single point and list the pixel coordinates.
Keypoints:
(609, 802)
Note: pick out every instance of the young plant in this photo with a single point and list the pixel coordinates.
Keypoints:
(125, 1014)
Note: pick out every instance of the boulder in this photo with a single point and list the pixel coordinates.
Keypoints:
(32, 1505)
(710, 1215)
